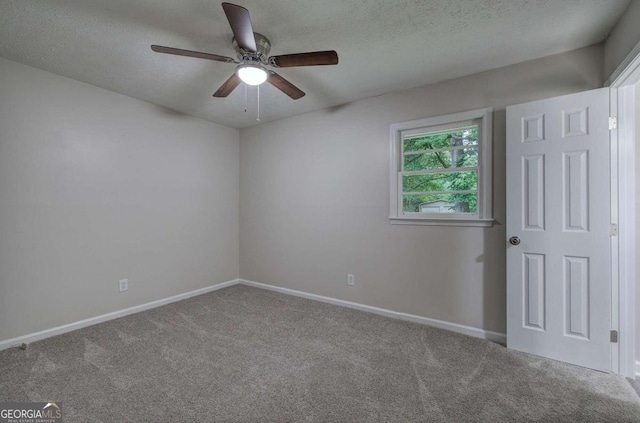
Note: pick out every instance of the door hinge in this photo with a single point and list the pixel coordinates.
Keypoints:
(614, 229)
(613, 123)
(614, 336)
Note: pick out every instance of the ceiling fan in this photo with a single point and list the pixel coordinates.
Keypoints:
(252, 50)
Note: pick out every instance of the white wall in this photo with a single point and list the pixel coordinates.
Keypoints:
(96, 187)
(624, 37)
(315, 198)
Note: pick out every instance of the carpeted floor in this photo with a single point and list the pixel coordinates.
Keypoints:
(243, 354)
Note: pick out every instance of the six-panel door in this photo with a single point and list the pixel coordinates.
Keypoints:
(558, 205)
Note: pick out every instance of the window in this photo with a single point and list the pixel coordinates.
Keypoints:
(441, 170)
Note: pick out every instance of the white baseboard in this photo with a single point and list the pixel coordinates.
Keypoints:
(32, 337)
(466, 330)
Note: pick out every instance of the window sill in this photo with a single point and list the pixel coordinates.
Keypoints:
(433, 221)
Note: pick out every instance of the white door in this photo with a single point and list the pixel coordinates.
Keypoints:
(558, 229)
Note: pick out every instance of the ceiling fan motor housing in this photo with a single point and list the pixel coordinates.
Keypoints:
(260, 57)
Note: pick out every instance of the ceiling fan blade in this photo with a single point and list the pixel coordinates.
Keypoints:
(228, 86)
(240, 22)
(285, 86)
(190, 53)
(315, 58)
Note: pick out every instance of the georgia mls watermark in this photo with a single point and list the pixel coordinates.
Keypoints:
(30, 412)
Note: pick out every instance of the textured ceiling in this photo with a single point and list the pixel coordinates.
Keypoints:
(384, 45)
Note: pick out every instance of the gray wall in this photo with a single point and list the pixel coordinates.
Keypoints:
(622, 39)
(637, 180)
(96, 187)
(315, 198)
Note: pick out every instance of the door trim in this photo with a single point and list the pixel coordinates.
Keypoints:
(623, 212)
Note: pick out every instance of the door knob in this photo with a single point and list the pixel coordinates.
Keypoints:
(514, 240)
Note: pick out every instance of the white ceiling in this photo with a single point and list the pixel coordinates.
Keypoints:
(383, 45)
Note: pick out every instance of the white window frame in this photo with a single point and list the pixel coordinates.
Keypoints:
(484, 217)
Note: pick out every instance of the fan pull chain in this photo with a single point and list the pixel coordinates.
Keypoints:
(246, 102)
(258, 119)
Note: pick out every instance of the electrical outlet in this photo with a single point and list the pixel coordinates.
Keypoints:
(351, 280)
(124, 285)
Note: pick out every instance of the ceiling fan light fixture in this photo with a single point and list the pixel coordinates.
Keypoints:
(252, 74)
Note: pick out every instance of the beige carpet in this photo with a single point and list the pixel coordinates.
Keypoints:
(243, 354)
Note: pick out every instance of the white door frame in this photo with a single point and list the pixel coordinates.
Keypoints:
(623, 213)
